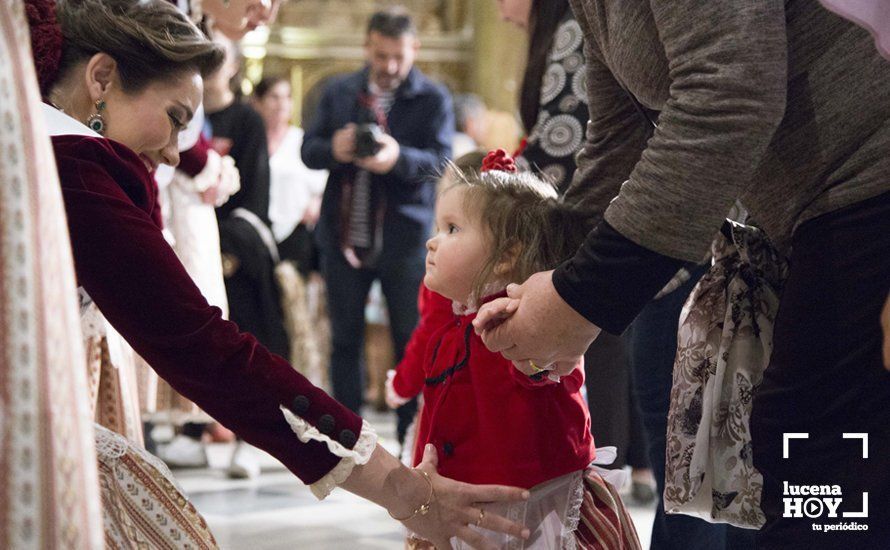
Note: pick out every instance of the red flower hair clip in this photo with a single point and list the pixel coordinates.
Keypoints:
(498, 160)
(46, 41)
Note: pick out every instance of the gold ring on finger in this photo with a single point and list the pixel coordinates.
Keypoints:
(535, 367)
(481, 517)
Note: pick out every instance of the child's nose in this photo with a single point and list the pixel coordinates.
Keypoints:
(431, 243)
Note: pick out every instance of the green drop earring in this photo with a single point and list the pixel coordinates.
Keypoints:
(96, 122)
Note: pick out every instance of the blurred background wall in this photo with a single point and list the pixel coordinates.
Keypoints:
(464, 45)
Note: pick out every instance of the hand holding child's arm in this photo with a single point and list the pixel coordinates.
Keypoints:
(532, 372)
(494, 313)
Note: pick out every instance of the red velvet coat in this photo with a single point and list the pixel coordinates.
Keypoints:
(489, 422)
(435, 310)
(125, 265)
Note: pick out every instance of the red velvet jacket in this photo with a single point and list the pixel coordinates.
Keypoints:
(489, 422)
(435, 310)
(125, 265)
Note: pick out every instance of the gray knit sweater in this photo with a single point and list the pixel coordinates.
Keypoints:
(778, 103)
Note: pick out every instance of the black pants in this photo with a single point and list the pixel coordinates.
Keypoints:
(347, 294)
(614, 411)
(825, 379)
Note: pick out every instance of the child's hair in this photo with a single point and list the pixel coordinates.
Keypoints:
(525, 222)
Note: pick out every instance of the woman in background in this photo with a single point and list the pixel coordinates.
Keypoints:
(294, 204)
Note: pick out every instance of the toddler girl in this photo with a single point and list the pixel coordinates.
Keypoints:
(489, 422)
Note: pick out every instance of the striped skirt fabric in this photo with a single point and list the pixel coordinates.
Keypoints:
(605, 523)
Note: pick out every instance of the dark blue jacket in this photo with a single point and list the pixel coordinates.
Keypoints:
(422, 121)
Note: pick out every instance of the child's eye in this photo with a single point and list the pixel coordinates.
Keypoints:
(452, 228)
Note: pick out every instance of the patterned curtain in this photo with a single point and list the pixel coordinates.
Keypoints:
(50, 491)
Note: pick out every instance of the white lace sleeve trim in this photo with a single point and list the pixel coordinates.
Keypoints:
(360, 453)
(219, 172)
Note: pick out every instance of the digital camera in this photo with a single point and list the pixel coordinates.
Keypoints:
(367, 142)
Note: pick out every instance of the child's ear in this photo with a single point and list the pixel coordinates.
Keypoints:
(508, 261)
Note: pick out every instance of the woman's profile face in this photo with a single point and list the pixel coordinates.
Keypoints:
(515, 11)
(276, 106)
(235, 18)
(149, 121)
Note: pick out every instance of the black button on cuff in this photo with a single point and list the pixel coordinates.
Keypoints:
(300, 405)
(448, 448)
(347, 438)
(326, 424)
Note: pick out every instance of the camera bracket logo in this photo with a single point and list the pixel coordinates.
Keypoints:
(817, 501)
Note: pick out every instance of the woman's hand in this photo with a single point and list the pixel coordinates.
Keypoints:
(541, 328)
(452, 505)
(455, 506)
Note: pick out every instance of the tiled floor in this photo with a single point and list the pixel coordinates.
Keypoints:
(276, 512)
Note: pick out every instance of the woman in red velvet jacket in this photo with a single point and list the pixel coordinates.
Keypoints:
(489, 422)
(123, 77)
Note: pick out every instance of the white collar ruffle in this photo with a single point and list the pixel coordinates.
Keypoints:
(61, 124)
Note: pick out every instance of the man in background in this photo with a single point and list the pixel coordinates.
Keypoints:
(384, 133)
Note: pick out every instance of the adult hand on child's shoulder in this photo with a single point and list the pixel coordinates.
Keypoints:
(542, 328)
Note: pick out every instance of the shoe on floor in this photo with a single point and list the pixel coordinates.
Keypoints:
(245, 463)
(642, 493)
(183, 452)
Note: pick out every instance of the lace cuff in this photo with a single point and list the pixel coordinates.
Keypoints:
(393, 399)
(219, 173)
(360, 453)
(206, 178)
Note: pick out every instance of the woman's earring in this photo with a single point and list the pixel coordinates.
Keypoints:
(96, 123)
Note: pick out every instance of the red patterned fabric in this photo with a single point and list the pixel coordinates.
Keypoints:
(605, 523)
(142, 505)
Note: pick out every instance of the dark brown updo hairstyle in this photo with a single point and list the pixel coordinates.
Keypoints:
(265, 85)
(150, 40)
